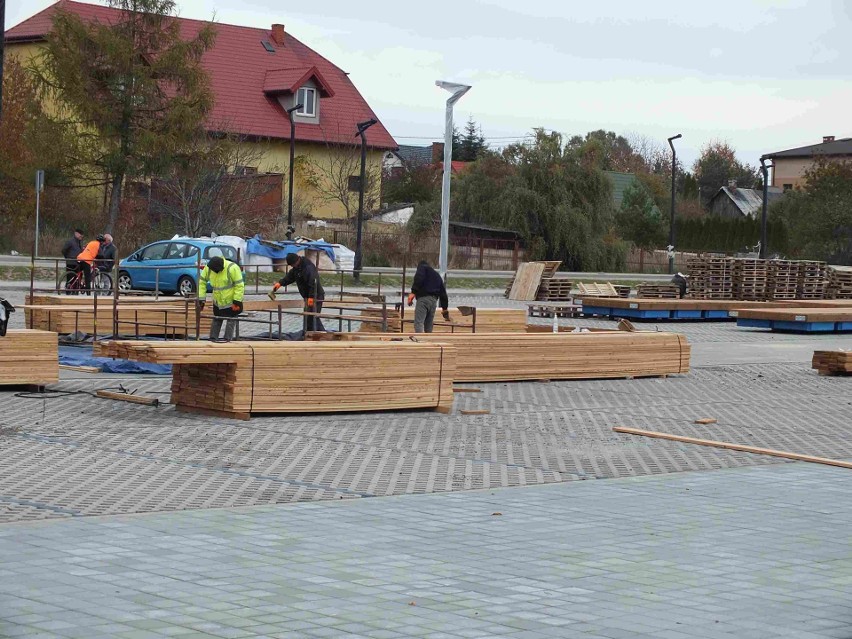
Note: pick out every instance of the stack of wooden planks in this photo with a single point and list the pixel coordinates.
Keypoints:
(495, 357)
(29, 357)
(812, 280)
(648, 290)
(832, 362)
(803, 319)
(751, 279)
(496, 320)
(840, 282)
(783, 280)
(237, 379)
(597, 290)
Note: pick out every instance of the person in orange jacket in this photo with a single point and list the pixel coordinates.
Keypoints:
(86, 259)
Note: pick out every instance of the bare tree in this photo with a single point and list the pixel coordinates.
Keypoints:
(335, 177)
(653, 153)
(215, 186)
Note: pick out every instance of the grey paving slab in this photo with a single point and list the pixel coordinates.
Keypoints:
(748, 552)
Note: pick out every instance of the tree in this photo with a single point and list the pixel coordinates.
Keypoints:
(135, 89)
(211, 187)
(413, 184)
(640, 220)
(818, 217)
(608, 151)
(717, 165)
(469, 146)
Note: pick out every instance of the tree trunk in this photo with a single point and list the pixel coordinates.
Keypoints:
(114, 201)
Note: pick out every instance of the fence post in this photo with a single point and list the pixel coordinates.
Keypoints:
(481, 251)
(515, 256)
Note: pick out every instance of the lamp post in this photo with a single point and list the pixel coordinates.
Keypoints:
(362, 129)
(457, 91)
(672, 221)
(764, 249)
(292, 160)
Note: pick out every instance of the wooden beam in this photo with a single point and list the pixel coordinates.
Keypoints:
(731, 446)
(124, 397)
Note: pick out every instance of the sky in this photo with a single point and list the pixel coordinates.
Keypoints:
(763, 75)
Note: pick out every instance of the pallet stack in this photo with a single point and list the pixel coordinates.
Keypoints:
(839, 282)
(832, 362)
(812, 282)
(658, 291)
(751, 279)
(555, 289)
(537, 281)
(783, 280)
(29, 357)
(623, 290)
(236, 379)
(711, 277)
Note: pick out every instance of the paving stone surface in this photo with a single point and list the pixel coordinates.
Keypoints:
(750, 552)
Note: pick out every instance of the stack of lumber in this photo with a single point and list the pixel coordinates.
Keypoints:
(555, 289)
(236, 379)
(597, 290)
(711, 277)
(494, 357)
(798, 317)
(751, 278)
(489, 320)
(658, 291)
(832, 362)
(812, 280)
(840, 282)
(29, 357)
(524, 287)
(783, 280)
(623, 290)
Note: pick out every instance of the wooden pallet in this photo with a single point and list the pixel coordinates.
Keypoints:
(832, 362)
(597, 290)
(29, 357)
(527, 281)
(839, 282)
(658, 291)
(551, 309)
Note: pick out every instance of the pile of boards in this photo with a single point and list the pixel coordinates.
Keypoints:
(29, 357)
(647, 290)
(839, 282)
(236, 379)
(495, 357)
(497, 320)
(537, 281)
(832, 362)
(597, 290)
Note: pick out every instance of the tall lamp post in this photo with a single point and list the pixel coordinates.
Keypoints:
(764, 248)
(672, 221)
(362, 129)
(457, 91)
(292, 160)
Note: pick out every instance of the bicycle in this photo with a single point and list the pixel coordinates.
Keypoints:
(100, 282)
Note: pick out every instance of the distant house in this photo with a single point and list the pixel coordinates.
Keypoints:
(410, 157)
(620, 183)
(790, 166)
(730, 201)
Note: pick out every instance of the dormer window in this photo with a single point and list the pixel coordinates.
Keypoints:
(307, 97)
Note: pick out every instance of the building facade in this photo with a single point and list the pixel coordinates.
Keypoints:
(791, 165)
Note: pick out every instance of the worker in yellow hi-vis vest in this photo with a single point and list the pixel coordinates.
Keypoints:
(226, 279)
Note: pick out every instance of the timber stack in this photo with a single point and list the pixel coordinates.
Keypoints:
(711, 277)
(646, 290)
(783, 280)
(236, 379)
(750, 279)
(840, 282)
(812, 280)
(29, 357)
(832, 362)
(489, 320)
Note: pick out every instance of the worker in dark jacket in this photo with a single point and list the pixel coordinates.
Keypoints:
(428, 289)
(306, 277)
(107, 255)
(70, 250)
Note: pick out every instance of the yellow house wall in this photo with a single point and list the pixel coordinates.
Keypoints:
(790, 171)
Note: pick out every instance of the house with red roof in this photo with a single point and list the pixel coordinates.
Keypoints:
(256, 74)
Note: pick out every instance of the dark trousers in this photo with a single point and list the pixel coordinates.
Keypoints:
(70, 272)
(313, 323)
(216, 324)
(86, 268)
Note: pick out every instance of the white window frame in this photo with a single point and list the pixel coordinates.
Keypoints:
(312, 103)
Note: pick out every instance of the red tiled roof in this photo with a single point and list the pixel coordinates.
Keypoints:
(239, 68)
(289, 81)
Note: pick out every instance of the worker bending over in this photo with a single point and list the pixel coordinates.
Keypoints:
(306, 277)
(428, 289)
(226, 279)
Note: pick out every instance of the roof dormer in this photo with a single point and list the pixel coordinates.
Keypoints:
(300, 85)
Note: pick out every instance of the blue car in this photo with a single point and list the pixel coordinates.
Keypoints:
(179, 261)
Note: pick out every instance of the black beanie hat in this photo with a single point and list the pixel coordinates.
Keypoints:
(216, 264)
(291, 259)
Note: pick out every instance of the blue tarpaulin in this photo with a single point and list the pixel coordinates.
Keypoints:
(82, 356)
(279, 250)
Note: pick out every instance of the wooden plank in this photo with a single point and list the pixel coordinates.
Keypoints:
(80, 369)
(124, 397)
(483, 411)
(29, 356)
(527, 281)
(732, 446)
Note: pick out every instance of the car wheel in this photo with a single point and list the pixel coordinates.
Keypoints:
(186, 286)
(125, 283)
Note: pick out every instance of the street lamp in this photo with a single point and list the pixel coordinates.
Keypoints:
(290, 227)
(457, 90)
(672, 221)
(362, 128)
(764, 169)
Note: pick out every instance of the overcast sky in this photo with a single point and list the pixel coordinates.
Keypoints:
(763, 75)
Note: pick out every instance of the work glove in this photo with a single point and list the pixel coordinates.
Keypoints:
(201, 305)
(411, 299)
(276, 286)
(445, 314)
(310, 302)
(237, 307)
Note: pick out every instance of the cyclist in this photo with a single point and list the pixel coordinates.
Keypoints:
(86, 259)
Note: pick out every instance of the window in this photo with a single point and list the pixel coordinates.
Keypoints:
(268, 46)
(177, 251)
(307, 97)
(245, 170)
(788, 187)
(154, 252)
(222, 250)
(354, 183)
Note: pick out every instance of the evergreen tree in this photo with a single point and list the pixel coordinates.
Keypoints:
(469, 146)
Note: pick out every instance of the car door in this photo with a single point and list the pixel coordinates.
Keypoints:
(150, 257)
(174, 260)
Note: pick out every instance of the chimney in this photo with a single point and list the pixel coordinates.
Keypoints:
(437, 152)
(732, 184)
(278, 34)
(827, 138)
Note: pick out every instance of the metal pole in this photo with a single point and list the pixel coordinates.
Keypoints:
(39, 186)
(362, 128)
(671, 247)
(290, 180)
(763, 239)
(457, 90)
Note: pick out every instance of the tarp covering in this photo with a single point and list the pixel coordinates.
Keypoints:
(279, 250)
(82, 356)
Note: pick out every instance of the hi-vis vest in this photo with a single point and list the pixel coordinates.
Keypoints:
(228, 286)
